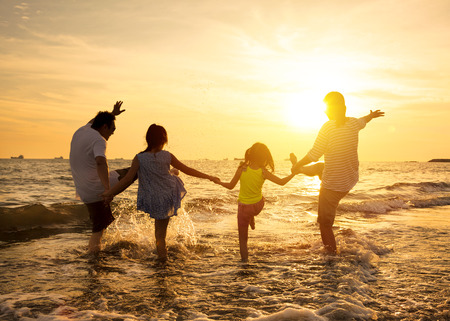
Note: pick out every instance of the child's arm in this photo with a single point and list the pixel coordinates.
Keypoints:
(124, 182)
(234, 180)
(190, 171)
(373, 114)
(280, 181)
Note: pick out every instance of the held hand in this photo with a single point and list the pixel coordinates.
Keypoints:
(296, 169)
(107, 198)
(377, 113)
(116, 110)
(214, 179)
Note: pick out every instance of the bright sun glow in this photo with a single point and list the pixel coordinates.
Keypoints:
(305, 110)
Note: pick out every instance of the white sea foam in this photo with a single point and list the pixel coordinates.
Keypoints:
(345, 310)
(290, 314)
(256, 289)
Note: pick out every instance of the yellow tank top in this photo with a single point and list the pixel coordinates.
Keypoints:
(251, 182)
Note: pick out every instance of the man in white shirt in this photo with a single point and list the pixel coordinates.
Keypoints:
(90, 170)
(338, 142)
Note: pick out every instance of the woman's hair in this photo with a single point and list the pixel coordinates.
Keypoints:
(259, 155)
(156, 137)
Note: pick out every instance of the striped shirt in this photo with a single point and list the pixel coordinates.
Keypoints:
(340, 147)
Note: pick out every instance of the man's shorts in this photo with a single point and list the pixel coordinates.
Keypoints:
(328, 202)
(247, 211)
(100, 215)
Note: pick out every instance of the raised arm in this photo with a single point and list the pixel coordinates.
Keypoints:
(234, 180)
(190, 171)
(273, 178)
(373, 114)
(116, 110)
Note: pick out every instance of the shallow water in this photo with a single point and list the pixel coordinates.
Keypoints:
(392, 231)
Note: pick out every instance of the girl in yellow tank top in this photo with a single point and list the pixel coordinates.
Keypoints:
(252, 173)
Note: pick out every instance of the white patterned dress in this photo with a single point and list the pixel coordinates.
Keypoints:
(159, 192)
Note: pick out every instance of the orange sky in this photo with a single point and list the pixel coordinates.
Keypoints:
(221, 75)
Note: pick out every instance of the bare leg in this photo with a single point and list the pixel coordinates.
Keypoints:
(328, 239)
(95, 242)
(313, 170)
(243, 239)
(160, 236)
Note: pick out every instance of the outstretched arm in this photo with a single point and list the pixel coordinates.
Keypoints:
(124, 182)
(116, 110)
(373, 114)
(273, 178)
(234, 180)
(190, 171)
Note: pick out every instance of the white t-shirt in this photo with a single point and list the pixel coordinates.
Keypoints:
(340, 147)
(86, 145)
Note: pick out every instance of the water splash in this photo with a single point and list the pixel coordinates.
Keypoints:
(132, 232)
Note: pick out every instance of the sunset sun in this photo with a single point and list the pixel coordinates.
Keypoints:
(304, 110)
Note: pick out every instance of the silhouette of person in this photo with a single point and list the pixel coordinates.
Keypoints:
(90, 171)
(337, 140)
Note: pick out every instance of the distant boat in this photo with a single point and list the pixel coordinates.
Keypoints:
(444, 160)
(60, 157)
(17, 157)
(241, 159)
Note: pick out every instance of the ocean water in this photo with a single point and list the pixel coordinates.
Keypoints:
(392, 230)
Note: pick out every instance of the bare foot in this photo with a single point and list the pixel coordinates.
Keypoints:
(293, 158)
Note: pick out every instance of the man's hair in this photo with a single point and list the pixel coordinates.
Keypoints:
(336, 108)
(103, 118)
(334, 98)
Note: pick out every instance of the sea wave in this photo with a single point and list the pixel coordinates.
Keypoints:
(426, 187)
(382, 206)
(38, 220)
